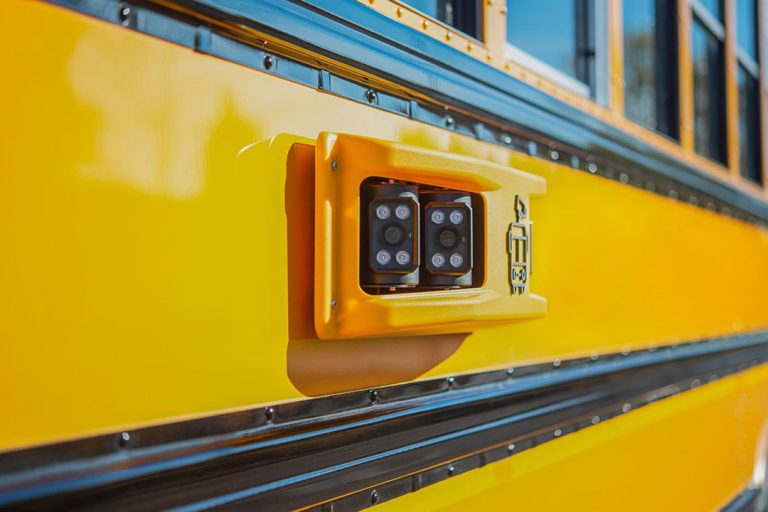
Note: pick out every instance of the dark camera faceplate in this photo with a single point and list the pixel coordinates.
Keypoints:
(391, 237)
(448, 238)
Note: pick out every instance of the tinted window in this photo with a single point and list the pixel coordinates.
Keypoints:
(708, 93)
(749, 126)
(746, 27)
(557, 32)
(650, 64)
(715, 7)
(465, 15)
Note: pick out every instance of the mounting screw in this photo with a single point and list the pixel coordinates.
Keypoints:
(123, 440)
(449, 121)
(451, 382)
(373, 395)
(556, 363)
(511, 448)
(451, 470)
(554, 155)
(595, 420)
(125, 15)
(269, 414)
(334, 165)
(592, 167)
(374, 497)
(558, 432)
(507, 140)
(626, 407)
(333, 303)
(371, 96)
(269, 61)
(510, 372)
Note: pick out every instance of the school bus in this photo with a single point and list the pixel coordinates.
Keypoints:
(403, 254)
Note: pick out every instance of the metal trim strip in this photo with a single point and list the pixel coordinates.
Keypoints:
(369, 445)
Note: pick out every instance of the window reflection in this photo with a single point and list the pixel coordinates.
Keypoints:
(650, 64)
(715, 7)
(463, 14)
(749, 126)
(746, 33)
(708, 93)
(559, 33)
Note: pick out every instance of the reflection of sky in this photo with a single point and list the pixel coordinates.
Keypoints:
(428, 7)
(745, 19)
(638, 16)
(714, 6)
(545, 29)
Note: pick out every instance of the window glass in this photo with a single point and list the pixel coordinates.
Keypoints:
(713, 6)
(708, 93)
(462, 14)
(545, 29)
(558, 33)
(749, 126)
(650, 65)
(746, 33)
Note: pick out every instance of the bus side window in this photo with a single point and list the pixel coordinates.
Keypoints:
(650, 64)
(708, 54)
(558, 40)
(748, 76)
(464, 15)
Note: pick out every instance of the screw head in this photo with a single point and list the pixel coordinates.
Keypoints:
(124, 439)
(124, 14)
(374, 497)
(371, 96)
(333, 303)
(451, 470)
(451, 381)
(269, 414)
(334, 165)
(449, 121)
(510, 447)
(373, 395)
(269, 61)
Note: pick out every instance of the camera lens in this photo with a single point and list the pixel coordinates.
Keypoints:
(383, 257)
(448, 238)
(383, 212)
(402, 212)
(393, 235)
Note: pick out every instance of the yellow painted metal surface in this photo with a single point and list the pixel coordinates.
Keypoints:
(692, 452)
(145, 274)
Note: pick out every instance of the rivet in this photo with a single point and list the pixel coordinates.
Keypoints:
(399, 12)
(125, 15)
(713, 378)
(269, 61)
(592, 167)
(371, 96)
(469, 47)
(510, 448)
(374, 497)
(672, 194)
(451, 470)
(333, 303)
(334, 166)
(558, 432)
(507, 140)
(448, 36)
(556, 363)
(510, 371)
(726, 210)
(711, 206)
(554, 155)
(625, 352)
(373, 395)
(449, 121)
(695, 383)
(626, 407)
(594, 357)
(503, 9)
(451, 381)
(693, 200)
(595, 420)
(624, 178)
(425, 24)
(269, 414)
(123, 440)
